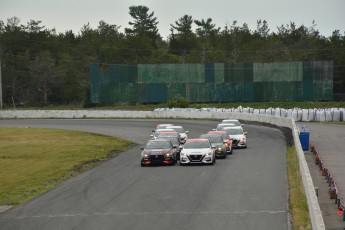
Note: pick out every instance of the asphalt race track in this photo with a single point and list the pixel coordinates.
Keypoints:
(248, 190)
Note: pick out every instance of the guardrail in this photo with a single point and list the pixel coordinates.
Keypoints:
(334, 192)
(313, 205)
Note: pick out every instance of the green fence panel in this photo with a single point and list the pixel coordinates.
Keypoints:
(278, 72)
(94, 83)
(322, 70)
(323, 90)
(219, 72)
(199, 92)
(229, 91)
(307, 80)
(152, 92)
(238, 72)
(219, 82)
(171, 73)
(123, 73)
(175, 91)
(121, 92)
(297, 91)
(209, 73)
(248, 91)
(278, 91)
(195, 73)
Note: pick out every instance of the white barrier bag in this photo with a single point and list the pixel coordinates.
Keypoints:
(305, 115)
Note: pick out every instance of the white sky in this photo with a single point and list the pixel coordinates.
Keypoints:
(63, 15)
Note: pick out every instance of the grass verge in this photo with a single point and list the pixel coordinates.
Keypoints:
(297, 200)
(33, 161)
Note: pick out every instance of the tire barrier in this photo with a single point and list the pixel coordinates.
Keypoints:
(334, 192)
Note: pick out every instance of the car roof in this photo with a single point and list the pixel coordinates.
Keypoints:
(169, 132)
(217, 132)
(226, 124)
(211, 134)
(164, 125)
(159, 140)
(230, 120)
(233, 127)
(174, 126)
(166, 130)
(197, 140)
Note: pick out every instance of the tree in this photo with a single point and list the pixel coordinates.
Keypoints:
(206, 28)
(46, 74)
(183, 25)
(145, 24)
(184, 41)
(206, 33)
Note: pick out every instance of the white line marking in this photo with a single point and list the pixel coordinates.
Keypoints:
(149, 213)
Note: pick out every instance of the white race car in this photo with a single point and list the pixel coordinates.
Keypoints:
(181, 131)
(197, 151)
(238, 137)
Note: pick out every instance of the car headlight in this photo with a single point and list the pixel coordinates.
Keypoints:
(183, 154)
(145, 154)
(167, 155)
(242, 139)
(207, 154)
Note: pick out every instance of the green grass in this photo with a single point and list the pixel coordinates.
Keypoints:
(33, 161)
(297, 199)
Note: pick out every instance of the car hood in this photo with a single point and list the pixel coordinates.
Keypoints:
(216, 144)
(236, 137)
(156, 150)
(195, 151)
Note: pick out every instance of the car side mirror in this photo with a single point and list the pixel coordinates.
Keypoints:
(142, 148)
(186, 132)
(245, 133)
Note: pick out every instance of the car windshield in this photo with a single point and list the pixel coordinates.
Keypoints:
(174, 140)
(221, 127)
(158, 145)
(213, 138)
(232, 122)
(234, 131)
(196, 145)
(178, 129)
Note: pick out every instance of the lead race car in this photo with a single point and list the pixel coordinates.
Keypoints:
(158, 152)
(197, 151)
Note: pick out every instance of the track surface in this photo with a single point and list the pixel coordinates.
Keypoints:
(248, 190)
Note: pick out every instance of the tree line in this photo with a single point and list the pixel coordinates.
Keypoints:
(40, 66)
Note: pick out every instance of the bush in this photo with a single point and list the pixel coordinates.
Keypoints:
(180, 102)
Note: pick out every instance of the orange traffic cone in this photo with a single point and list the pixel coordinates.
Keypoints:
(316, 159)
(340, 211)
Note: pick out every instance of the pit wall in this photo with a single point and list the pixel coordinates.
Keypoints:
(314, 208)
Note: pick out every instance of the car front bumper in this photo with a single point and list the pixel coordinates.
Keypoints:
(195, 159)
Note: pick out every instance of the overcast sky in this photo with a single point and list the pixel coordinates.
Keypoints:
(63, 15)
